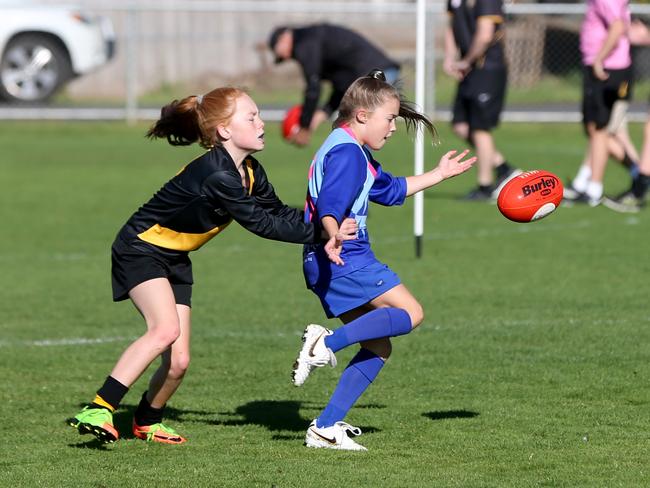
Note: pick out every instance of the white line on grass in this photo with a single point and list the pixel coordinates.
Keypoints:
(77, 341)
(69, 341)
(425, 328)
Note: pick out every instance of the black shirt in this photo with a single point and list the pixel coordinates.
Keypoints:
(464, 15)
(332, 53)
(205, 196)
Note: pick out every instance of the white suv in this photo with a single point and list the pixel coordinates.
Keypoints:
(43, 47)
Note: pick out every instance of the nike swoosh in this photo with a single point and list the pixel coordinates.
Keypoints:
(166, 438)
(326, 439)
(311, 349)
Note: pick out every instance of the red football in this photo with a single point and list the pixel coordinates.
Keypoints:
(291, 122)
(530, 196)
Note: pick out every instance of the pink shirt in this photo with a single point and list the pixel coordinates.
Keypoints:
(599, 16)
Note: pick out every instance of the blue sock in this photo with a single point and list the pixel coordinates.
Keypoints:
(634, 170)
(356, 378)
(382, 322)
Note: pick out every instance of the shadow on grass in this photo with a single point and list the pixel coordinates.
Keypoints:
(450, 414)
(91, 444)
(278, 416)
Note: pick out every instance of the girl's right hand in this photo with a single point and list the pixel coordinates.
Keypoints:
(449, 67)
(333, 249)
(452, 164)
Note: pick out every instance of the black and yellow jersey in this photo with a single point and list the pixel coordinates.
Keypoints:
(464, 19)
(335, 54)
(205, 197)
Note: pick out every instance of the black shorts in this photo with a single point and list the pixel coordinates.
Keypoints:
(599, 96)
(137, 262)
(480, 97)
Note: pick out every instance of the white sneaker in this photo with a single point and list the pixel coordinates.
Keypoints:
(314, 353)
(334, 437)
(571, 194)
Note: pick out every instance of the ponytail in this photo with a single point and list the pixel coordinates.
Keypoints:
(195, 118)
(413, 118)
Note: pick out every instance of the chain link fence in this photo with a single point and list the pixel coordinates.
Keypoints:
(169, 49)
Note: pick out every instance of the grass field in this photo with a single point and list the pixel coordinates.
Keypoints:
(531, 367)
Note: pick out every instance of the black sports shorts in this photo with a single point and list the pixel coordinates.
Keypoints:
(136, 262)
(599, 96)
(480, 97)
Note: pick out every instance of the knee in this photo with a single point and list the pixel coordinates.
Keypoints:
(385, 350)
(178, 367)
(165, 335)
(417, 315)
(381, 347)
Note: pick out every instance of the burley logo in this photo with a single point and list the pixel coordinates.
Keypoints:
(544, 185)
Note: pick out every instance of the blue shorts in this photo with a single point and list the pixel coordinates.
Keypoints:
(355, 289)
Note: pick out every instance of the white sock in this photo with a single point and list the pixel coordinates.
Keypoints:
(594, 190)
(581, 180)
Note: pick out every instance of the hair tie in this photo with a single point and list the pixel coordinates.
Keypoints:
(199, 99)
(377, 74)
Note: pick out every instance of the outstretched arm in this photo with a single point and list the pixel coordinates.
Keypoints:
(449, 166)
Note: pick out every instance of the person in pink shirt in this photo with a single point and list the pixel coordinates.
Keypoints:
(633, 199)
(607, 79)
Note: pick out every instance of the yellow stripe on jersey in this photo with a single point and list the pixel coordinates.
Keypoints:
(178, 241)
(497, 19)
(185, 241)
(251, 177)
(622, 89)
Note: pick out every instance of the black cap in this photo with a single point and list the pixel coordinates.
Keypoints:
(273, 40)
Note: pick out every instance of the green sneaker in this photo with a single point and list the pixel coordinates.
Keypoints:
(157, 433)
(95, 421)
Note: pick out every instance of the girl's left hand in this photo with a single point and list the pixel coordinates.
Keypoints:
(451, 165)
(333, 249)
(348, 230)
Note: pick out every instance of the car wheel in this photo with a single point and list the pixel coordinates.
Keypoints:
(33, 68)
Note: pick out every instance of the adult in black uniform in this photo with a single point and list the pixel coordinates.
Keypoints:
(475, 31)
(150, 263)
(332, 53)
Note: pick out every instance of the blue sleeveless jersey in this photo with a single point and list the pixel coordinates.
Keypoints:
(343, 179)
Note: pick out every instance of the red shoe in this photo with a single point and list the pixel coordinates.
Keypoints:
(157, 433)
